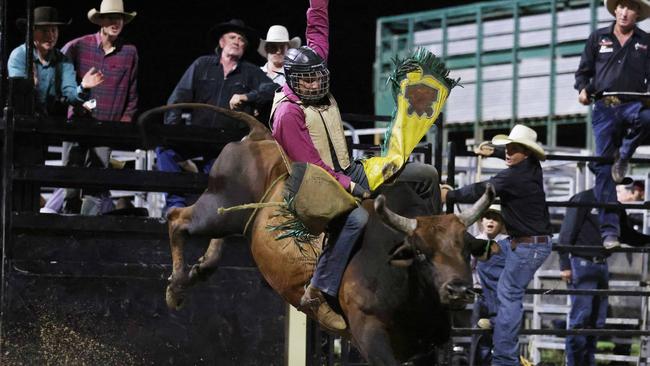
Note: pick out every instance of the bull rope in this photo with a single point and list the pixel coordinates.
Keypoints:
(284, 157)
(256, 206)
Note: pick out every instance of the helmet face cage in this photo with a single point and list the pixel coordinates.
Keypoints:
(318, 73)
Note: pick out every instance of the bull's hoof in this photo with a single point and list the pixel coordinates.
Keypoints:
(174, 298)
(196, 274)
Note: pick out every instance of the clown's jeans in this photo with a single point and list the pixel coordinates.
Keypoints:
(519, 269)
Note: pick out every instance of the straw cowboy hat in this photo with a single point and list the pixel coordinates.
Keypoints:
(43, 15)
(278, 34)
(644, 8)
(493, 208)
(110, 7)
(522, 135)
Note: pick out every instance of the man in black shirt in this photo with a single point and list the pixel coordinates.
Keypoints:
(224, 79)
(523, 207)
(587, 270)
(616, 60)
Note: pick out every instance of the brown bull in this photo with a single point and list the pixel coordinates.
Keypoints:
(397, 287)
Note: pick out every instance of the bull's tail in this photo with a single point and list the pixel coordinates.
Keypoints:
(257, 130)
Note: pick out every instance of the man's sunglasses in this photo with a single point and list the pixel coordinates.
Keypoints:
(275, 47)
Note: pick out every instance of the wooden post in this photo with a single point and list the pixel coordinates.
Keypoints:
(296, 338)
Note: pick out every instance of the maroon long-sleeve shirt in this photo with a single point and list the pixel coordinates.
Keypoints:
(289, 127)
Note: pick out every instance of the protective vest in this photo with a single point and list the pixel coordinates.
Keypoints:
(325, 129)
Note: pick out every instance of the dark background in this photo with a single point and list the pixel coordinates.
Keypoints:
(169, 35)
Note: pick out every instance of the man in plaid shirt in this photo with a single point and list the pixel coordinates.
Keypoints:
(115, 100)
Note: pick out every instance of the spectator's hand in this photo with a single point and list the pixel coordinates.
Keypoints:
(583, 97)
(444, 189)
(92, 78)
(237, 101)
(358, 191)
(188, 166)
(484, 149)
(566, 275)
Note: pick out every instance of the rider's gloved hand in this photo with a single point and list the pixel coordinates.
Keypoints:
(358, 191)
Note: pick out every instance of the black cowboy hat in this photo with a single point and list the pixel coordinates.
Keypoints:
(125, 207)
(237, 26)
(43, 15)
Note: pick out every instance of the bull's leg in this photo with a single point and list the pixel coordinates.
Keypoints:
(178, 222)
(373, 341)
(207, 264)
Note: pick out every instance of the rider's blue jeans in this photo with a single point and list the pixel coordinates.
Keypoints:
(336, 254)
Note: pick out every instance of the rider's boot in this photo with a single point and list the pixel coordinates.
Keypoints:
(314, 299)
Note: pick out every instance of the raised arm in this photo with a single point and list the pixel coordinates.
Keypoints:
(318, 27)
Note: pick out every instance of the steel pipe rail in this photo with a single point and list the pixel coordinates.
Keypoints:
(563, 157)
(598, 249)
(559, 332)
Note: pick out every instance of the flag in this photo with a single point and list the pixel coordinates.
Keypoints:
(420, 89)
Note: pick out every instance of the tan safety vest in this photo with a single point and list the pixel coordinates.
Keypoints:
(321, 120)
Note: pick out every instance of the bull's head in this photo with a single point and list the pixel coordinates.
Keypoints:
(437, 243)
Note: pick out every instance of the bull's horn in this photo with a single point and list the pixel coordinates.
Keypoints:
(397, 222)
(473, 213)
(257, 130)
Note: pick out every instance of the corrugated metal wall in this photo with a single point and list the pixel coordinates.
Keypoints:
(497, 33)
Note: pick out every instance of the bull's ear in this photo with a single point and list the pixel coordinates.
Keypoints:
(402, 255)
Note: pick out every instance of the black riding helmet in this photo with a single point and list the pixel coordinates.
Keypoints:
(304, 63)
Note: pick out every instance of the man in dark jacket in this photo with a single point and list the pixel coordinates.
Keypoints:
(225, 80)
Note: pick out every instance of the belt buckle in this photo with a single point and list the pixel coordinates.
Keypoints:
(612, 101)
(598, 260)
(540, 239)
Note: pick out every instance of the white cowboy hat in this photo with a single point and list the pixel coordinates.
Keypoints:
(522, 135)
(110, 7)
(644, 8)
(494, 208)
(278, 34)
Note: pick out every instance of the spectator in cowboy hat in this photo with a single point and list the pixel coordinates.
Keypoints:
(273, 48)
(54, 75)
(523, 207)
(616, 60)
(115, 100)
(225, 80)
